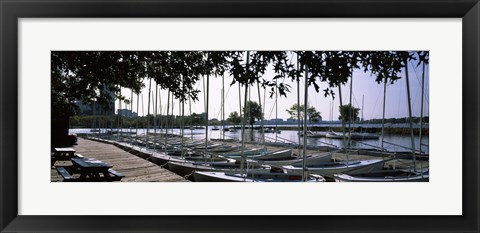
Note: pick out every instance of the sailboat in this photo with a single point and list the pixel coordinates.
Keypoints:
(331, 168)
(311, 159)
(246, 175)
(252, 176)
(188, 168)
(335, 135)
(271, 130)
(311, 134)
(384, 176)
(395, 175)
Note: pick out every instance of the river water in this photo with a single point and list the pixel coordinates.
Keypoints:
(392, 142)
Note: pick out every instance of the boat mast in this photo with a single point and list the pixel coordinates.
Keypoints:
(304, 161)
(119, 116)
(276, 110)
(240, 99)
(138, 118)
(383, 116)
(350, 114)
(131, 105)
(155, 118)
(243, 122)
(223, 106)
(298, 104)
(148, 104)
(206, 112)
(173, 116)
(331, 115)
(167, 121)
(343, 120)
(410, 116)
(191, 119)
(182, 99)
(160, 118)
(421, 108)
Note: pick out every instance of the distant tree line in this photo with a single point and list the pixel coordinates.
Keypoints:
(98, 121)
(399, 120)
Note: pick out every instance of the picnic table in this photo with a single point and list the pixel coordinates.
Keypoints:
(90, 169)
(63, 154)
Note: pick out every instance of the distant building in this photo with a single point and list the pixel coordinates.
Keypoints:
(94, 109)
(126, 113)
(292, 120)
(277, 120)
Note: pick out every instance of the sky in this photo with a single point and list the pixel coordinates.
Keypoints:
(364, 86)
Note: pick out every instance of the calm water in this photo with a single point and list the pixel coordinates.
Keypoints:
(402, 142)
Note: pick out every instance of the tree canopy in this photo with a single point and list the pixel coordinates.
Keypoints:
(253, 112)
(234, 118)
(312, 114)
(348, 113)
(99, 75)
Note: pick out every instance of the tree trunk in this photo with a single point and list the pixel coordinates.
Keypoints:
(59, 130)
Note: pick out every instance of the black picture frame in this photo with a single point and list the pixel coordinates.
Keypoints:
(11, 11)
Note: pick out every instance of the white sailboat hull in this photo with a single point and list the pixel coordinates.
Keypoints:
(311, 160)
(251, 177)
(187, 168)
(330, 169)
(379, 177)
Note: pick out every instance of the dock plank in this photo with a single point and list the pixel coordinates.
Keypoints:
(133, 167)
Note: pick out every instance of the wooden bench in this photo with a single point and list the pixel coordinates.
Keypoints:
(63, 171)
(68, 177)
(115, 176)
(64, 157)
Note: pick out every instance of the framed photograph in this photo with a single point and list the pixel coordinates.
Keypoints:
(321, 109)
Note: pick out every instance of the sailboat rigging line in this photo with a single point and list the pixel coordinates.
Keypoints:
(372, 115)
(271, 110)
(404, 147)
(410, 117)
(415, 72)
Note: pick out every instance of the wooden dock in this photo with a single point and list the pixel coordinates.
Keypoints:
(134, 168)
